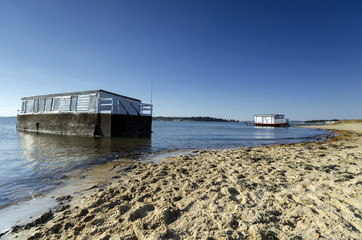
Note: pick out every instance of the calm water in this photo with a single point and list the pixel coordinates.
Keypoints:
(33, 163)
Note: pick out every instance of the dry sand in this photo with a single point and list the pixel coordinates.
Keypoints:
(294, 191)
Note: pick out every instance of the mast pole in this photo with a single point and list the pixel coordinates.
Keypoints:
(151, 92)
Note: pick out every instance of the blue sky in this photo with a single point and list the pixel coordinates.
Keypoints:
(228, 59)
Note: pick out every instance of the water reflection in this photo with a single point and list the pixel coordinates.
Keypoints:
(265, 132)
(40, 160)
(45, 151)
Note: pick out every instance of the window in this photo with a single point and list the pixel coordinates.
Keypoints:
(55, 106)
(48, 104)
(23, 107)
(41, 105)
(92, 103)
(73, 103)
(36, 105)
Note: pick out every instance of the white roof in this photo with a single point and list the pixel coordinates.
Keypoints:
(78, 93)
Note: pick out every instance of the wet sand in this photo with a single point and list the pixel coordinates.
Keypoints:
(293, 191)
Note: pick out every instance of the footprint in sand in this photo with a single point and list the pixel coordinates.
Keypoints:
(141, 212)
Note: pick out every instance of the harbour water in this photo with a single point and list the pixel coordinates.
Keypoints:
(34, 163)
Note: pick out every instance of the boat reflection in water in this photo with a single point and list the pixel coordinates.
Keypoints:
(46, 152)
(40, 161)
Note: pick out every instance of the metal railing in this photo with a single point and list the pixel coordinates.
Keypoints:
(281, 121)
(146, 109)
(105, 105)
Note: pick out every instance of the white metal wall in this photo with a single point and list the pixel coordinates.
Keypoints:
(83, 103)
(264, 119)
(64, 104)
(100, 102)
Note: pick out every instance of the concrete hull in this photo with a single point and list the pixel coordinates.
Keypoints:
(86, 124)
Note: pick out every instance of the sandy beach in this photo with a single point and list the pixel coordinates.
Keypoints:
(295, 191)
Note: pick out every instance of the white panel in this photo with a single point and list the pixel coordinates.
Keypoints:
(64, 104)
(83, 103)
(268, 119)
(259, 120)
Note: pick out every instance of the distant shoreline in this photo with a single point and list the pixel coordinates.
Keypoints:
(193, 119)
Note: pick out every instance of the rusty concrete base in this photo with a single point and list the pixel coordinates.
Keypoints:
(86, 124)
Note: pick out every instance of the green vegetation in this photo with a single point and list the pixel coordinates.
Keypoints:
(192, 119)
(321, 121)
(349, 121)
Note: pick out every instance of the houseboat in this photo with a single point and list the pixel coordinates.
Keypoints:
(275, 120)
(89, 113)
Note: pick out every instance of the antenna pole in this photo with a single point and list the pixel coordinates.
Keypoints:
(151, 92)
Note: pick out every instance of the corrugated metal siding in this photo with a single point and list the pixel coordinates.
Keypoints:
(64, 105)
(83, 103)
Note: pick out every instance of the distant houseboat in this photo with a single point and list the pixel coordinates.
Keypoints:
(276, 120)
(90, 113)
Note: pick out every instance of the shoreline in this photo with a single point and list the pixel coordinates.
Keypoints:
(278, 191)
(76, 184)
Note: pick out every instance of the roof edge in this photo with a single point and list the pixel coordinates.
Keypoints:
(78, 93)
(271, 114)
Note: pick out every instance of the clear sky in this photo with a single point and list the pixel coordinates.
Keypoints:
(229, 59)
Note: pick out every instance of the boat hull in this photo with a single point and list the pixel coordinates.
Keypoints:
(86, 124)
(272, 124)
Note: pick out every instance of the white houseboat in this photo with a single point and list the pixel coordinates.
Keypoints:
(276, 120)
(90, 113)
